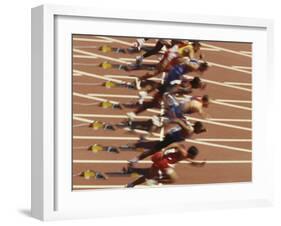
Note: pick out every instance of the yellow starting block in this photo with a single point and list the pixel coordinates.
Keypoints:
(134, 175)
(106, 104)
(97, 125)
(106, 49)
(96, 148)
(106, 65)
(88, 174)
(109, 84)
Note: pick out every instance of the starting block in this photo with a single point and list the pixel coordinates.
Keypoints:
(97, 125)
(96, 148)
(134, 175)
(105, 49)
(88, 174)
(109, 84)
(106, 65)
(106, 104)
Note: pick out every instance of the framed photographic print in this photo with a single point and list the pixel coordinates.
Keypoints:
(134, 112)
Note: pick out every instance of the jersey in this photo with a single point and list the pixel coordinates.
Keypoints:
(164, 160)
(173, 107)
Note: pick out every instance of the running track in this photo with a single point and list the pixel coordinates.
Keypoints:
(226, 145)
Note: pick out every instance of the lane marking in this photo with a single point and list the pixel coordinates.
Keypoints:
(110, 116)
(81, 47)
(246, 52)
(149, 162)
(224, 140)
(218, 145)
(152, 138)
(117, 95)
(114, 186)
(231, 105)
(145, 60)
(219, 123)
(82, 119)
(80, 125)
(91, 40)
(234, 101)
(111, 138)
(242, 67)
(239, 83)
(98, 76)
(100, 56)
(229, 120)
(93, 98)
(84, 56)
(229, 67)
(225, 49)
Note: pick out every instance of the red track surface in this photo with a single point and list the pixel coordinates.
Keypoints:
(228, 136)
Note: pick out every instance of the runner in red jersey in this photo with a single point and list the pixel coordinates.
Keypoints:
(163, 164)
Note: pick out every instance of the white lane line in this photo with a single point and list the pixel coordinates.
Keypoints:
(91, 40)
(84, 56)
(234, 101)
(225, 49)
(145, 60)
(239, 83)
(79, 125)
(114, 186)
(149, 162)
(223, 140)
(218, 145)
(117, 95)
(98, 76)
(111, 116)
(219, 123)
(85, 64)
(229, 120)
(229, 67)
(242, 67)
(231, 105)
(204, 44)
(114, 40)
(152, 138)
(111, 138)
(246, 52)
(87, 47)
(226, 85)
(100, 56)
(82, 119)
(93, 98)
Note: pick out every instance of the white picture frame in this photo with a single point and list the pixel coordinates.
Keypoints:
(52, 198)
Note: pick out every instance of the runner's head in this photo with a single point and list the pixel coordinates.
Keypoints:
(196, 83)
(198, 127)
(196, 46)
(192, 152)
(205, 101)
(203, 66)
